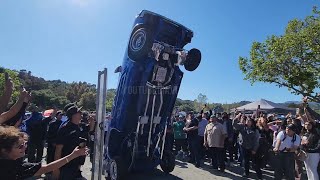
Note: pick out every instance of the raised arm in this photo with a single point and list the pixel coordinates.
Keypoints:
(24, 97)
(61, 161)
(235, 123)
(8, 89)
(310, 114)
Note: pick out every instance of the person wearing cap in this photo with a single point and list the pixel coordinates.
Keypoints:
(214, 136)
(180, 137)
(287, 142)
(66, 107)
(52, 135)
(68, 138)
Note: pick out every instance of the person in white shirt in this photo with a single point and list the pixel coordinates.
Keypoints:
(287, 143)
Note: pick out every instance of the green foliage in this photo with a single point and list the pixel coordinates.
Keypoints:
(111, 93)
(88, 100)
(201, 100)
(291, 60)
(46, 99)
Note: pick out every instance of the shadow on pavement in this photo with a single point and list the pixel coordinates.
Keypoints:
(181, 164)
(156, 174)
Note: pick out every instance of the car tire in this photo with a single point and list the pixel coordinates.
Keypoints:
(193, 60)
(140, 44)
(117, 169)
(168, 162)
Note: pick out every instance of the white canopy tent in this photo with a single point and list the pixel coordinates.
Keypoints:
(265, 105)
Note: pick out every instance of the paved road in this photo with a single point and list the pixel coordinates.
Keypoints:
(186, 171)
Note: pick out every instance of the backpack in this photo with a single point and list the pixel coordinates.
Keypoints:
(293, 138)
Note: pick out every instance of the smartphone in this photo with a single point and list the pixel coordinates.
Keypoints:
(83, 142)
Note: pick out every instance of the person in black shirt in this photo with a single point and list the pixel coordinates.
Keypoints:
(52, 135)
(191, 129)
(12, 149)
(36, 132)
(84, 131)
(68, 138)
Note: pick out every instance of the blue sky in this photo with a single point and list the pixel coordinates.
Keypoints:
(72, 39)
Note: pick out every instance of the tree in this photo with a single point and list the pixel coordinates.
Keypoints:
(111, 93)
(46, 98)
(200, 101)
(291, 60)
(88, 100)
(76, 90)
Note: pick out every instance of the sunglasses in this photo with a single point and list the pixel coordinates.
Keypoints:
(23, 145)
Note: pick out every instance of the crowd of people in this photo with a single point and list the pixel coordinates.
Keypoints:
(288, 146)
(258, 140)
(21, 149)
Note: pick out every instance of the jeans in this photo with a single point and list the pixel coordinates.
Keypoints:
(35, 152)
(216, 155)
(202, 149)
(284, 165)
(311, 164)
(228, 146)
(240, 158)
(247, 155)
(181, 144)
(50, 153)
(194, 149)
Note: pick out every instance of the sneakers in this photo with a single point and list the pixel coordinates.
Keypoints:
(197, 165)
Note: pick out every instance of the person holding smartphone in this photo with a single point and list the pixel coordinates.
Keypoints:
(13, 145)
(68, 138)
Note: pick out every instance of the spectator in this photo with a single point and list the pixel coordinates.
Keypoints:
(214, 136)
(12, 148)
(201, 128)
(311, 145)
(249, 142)
(180, 137)
(68, 138)
(36, 131)
(287, 142)
(52, 135)
(191, 129)
(265, 141)
(228, 144)
(92, 124)
(85, 130)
